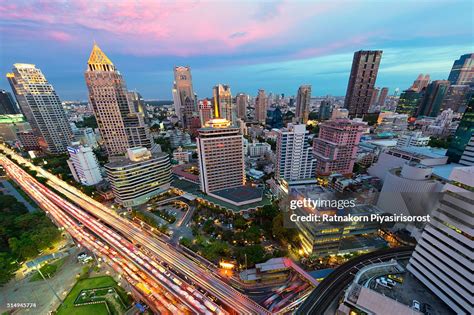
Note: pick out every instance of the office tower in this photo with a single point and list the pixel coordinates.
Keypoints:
(382, 96)
(241, 102)
(325, 110)
(139, 176)
(117, 110)
(83, 164)
(220, 153)
(7, 104)
(456, 98)
(408, 102)
(222, 98)
(303, 100)
(274, 118)
(183, 94)
(336, 147)
(420, 83)
(295, 160)
(89, 138)
(463, 134)
(433, 97)
(462, 72)
(442, 259)
(41, 106)
(365, 66)
(467, 157)
(205, 111)
(261, 106)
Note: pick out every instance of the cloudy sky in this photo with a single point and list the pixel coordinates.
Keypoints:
(274, 45)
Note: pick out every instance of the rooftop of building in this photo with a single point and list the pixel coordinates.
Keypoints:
(239, 194)
(125, 161)
(193, 188)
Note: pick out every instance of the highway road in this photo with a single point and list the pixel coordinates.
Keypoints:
(119, 232)
(334, 285)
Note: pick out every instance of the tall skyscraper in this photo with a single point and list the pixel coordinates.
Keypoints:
(205, 111)
(261, 105)
(325, 110)
(430, 104)
(365, 67)
(456, 98)
(463, 134)
(221, 156)
(462, 72)
(183, 94)
(295, 160)
(374, 97)
(408, 102)
(420, 83)
(120, 122)
(223, 100)
(442, 259)
(7, 104)
(382, 96)
(41, 106)
(241, 102)
(336, 147)
(303, 100)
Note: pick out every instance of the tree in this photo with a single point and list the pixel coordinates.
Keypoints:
(255, 254)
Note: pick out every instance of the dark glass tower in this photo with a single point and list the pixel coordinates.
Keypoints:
(463, 134)
(7, 104)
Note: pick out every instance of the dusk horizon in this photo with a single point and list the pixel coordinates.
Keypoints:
(276, 46)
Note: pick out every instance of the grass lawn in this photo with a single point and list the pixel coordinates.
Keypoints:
(48, 270)
(96, 309)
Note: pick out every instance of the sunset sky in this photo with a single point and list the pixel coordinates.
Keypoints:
(274, 45)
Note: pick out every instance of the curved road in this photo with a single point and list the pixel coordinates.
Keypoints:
(331, 287)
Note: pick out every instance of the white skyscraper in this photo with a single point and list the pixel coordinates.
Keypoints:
(294, 155)
(83, 165)
(443, 257)
(41, 106)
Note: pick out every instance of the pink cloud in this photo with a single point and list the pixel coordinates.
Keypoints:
(150, 27)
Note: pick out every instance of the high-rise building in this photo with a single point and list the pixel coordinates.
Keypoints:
(325, 110)
(41, 106)
(261, 106)
(139, 176)
(83, 165)
(28, 141)
(205, 111)
(430, 104)
(222, 97)
(295, 160)
(420, 83)
(463, 134)
(274, 118)
(374, 97)
(117, 110)
(183, 94)
(7, 104)
(467, 157)
(241, 102)
(462, 72)
(408, 102)
(221, 158)
(442, 259)
(303, 100)
(365, 67)
(336, 147)
(382, 96)
(456, 98)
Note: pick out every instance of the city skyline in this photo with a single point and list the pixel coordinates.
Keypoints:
(270, 48)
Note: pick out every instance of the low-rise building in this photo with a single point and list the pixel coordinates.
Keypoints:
(139, 176)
